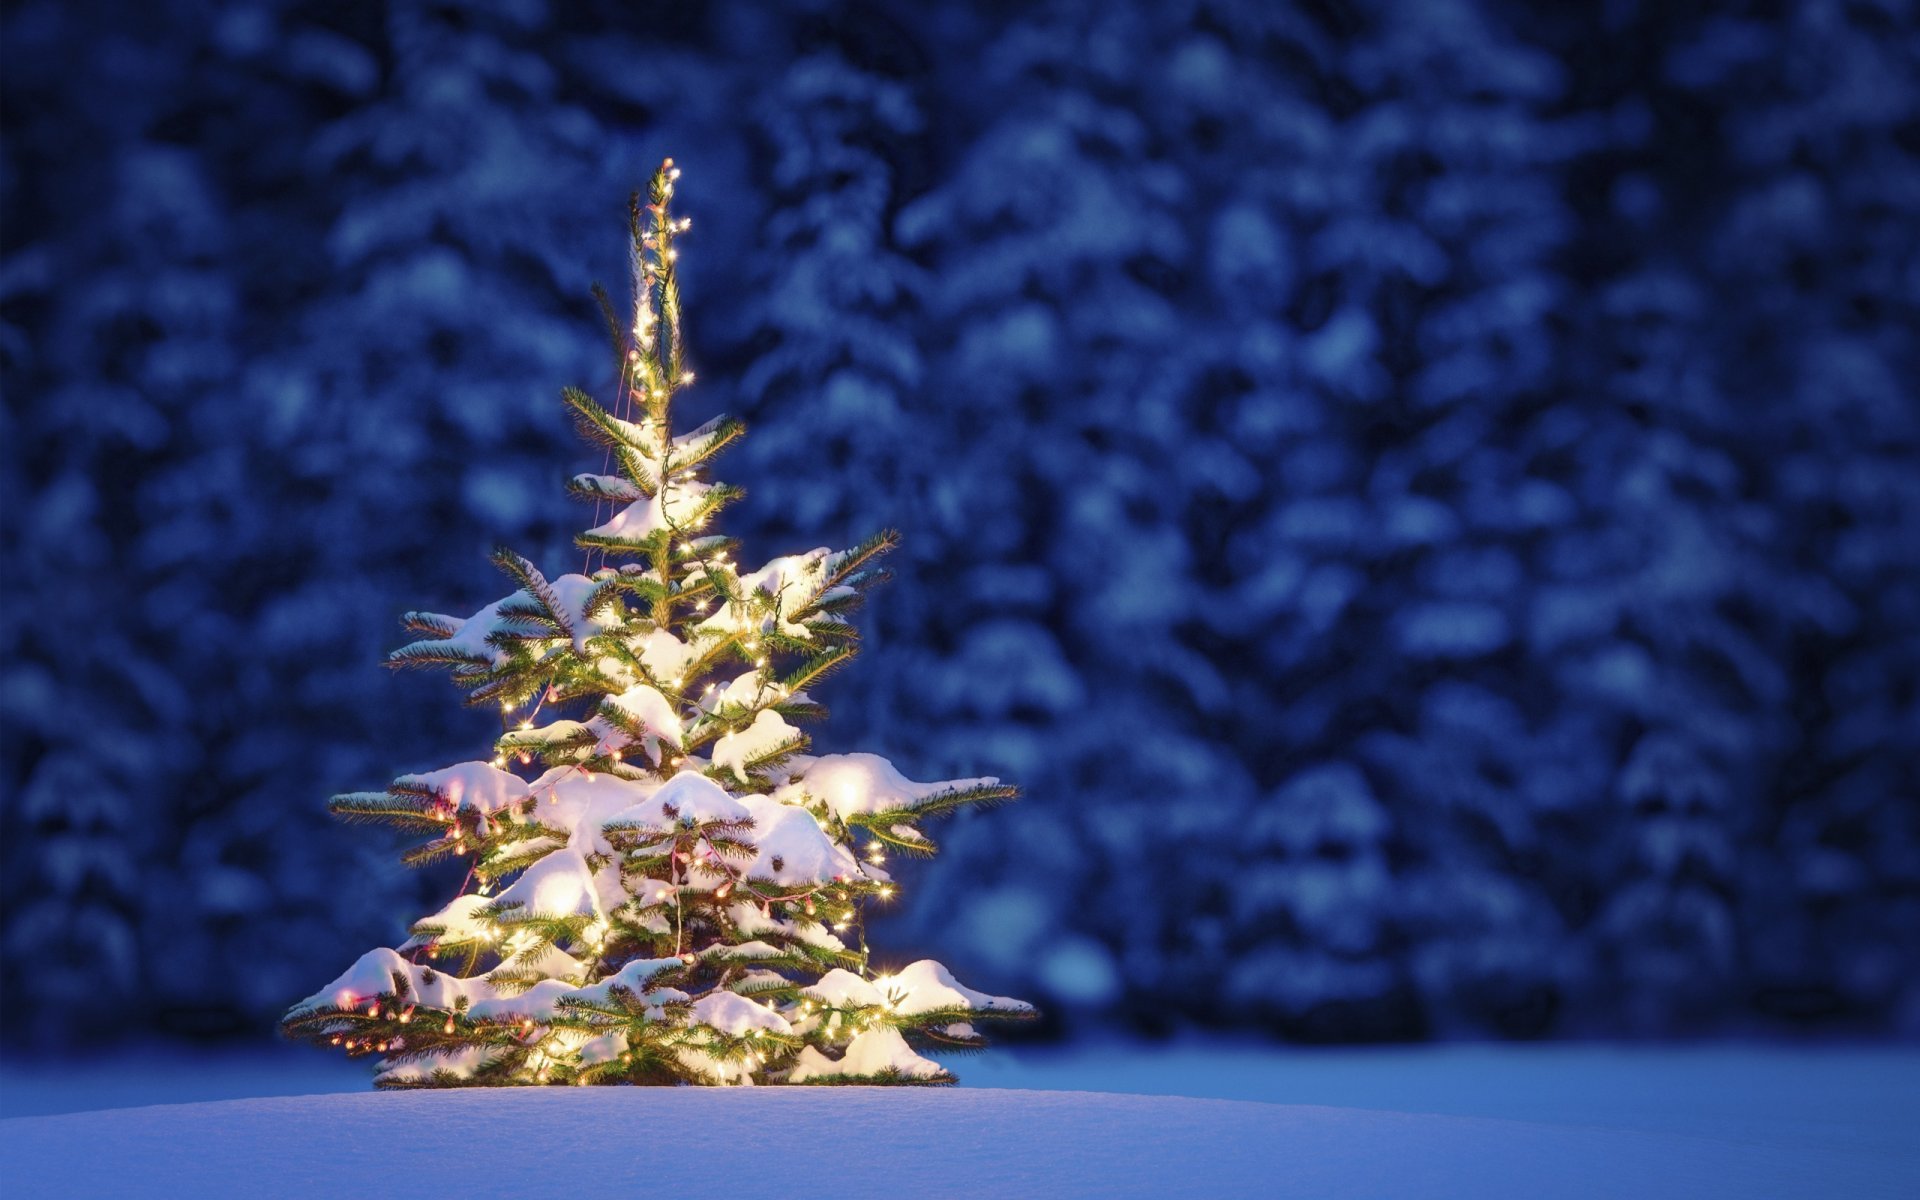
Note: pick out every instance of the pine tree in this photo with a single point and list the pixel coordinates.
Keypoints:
(678, 896)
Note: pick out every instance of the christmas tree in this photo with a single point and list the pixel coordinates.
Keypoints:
(678, 895)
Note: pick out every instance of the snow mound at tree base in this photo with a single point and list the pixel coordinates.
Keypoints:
(848, 1142)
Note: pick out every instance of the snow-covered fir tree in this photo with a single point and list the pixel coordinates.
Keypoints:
(677, 894)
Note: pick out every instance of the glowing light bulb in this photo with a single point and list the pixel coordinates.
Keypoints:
(685, 376)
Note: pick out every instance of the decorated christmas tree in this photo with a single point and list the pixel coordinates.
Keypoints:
(676, 894)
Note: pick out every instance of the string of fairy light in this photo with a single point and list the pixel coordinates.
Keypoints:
(646, 378)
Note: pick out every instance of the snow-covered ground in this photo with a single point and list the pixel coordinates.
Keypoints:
(1480, 1121)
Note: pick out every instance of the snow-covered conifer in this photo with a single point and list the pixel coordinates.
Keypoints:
(664, 886)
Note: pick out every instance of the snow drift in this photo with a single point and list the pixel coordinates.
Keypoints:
(860, 1141)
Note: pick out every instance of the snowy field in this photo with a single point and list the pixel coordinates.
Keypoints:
(1470, 1121)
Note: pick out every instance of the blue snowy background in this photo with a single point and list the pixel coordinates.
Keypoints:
(1424, 496)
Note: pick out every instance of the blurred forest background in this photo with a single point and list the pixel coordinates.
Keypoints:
(1425, 496)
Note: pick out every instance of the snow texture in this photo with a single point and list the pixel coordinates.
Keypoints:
(559, 886)
(738, 749)
(470, 786)
(872, 1053)
(927, 986)
(790, 846)
(373, 975)
(864, 784)
(841, 988)
(996, 1143)
(672, 508)
(736, 1015)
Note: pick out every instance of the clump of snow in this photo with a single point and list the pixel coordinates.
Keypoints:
(372, 975)
(604, 1048)
(639, 708)
(736, 1015)
(872, 1053)
(840, 988)
(790, 578)
(469, 786)
(741, 951)
(738, 748)
(479, 635)
(927, 986)
(791, 848)
(635, 977)
(458, 923)
(766, 598)
(540, 1002)
(571, 595)
(865, 784)
(665, 655)
(576, 804)
(542, 737)
(482, 635)
(560, 885)
(673, 507)
(547, 962)
(688, 796)
(462, 1063)
(742, 691)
